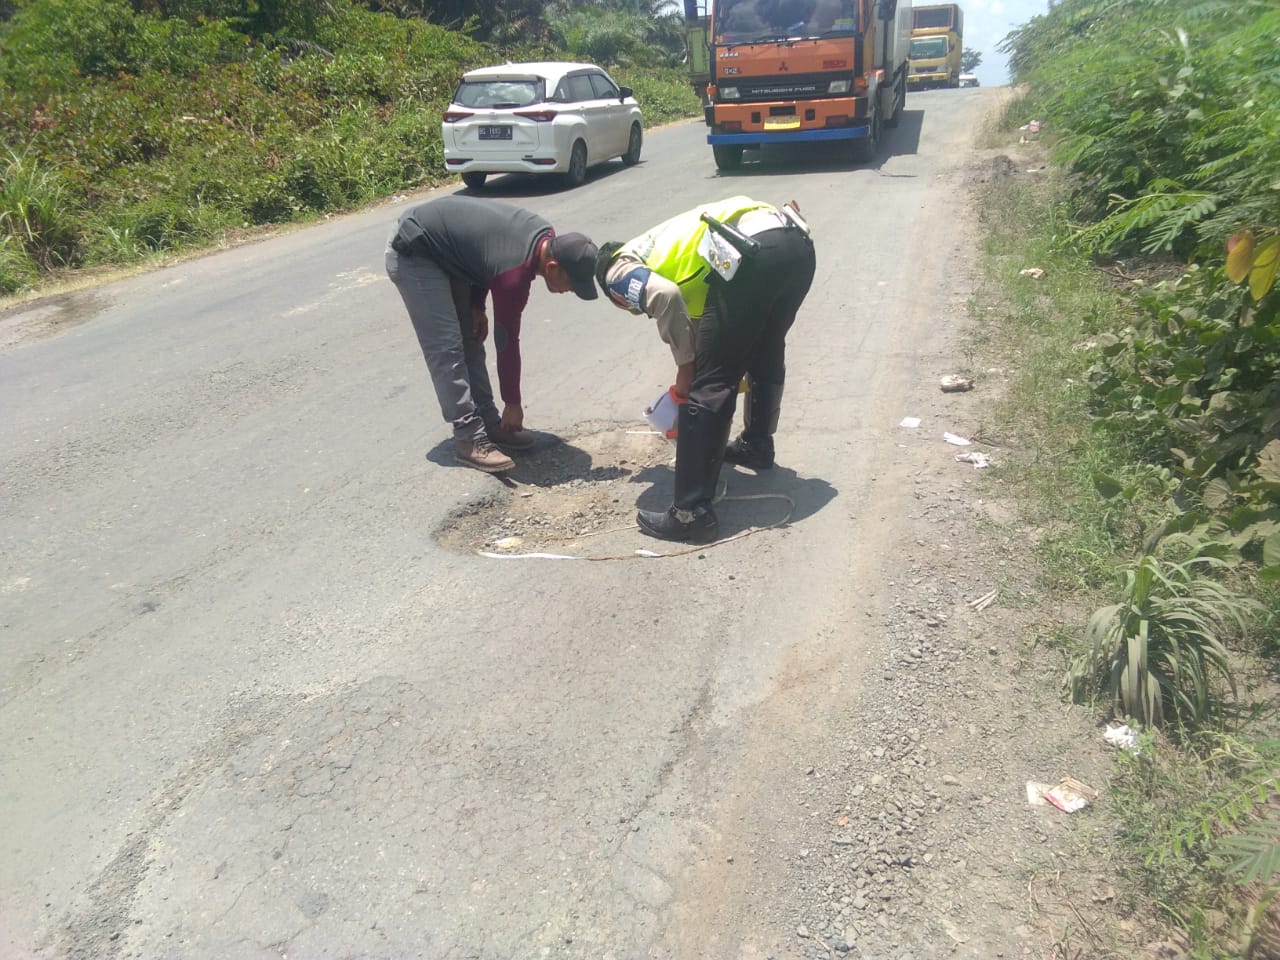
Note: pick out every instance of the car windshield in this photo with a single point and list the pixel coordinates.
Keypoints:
(749, 21)
(928, 47)
(500, 93)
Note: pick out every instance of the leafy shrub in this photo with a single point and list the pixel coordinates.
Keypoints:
(1167, 114)
(414, 144)
(1194, 385)
(338, 164)
(664, 94)
(1202, 824)
(1169, 111)
(1170, 114)
(51, 46)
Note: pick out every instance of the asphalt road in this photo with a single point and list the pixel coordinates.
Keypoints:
(253, 708)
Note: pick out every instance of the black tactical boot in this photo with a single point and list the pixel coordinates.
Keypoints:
(699, 453)
(754, 446)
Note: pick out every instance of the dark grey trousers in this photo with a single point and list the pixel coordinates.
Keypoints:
(439, 307)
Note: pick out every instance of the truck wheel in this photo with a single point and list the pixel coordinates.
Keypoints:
(474, 180)
(866, 148)
(728, 156)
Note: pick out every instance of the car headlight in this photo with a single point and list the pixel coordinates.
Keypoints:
(838, 86)
(729, 93)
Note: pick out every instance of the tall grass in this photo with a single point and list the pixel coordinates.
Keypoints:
(38, 231)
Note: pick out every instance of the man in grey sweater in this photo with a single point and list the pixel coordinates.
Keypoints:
(446, 257)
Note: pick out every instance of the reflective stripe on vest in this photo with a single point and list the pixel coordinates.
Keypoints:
(671, 248)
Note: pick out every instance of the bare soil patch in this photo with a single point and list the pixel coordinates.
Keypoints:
(48, 317)
(566, 497)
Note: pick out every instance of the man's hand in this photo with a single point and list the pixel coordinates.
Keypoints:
(479, 323)
(684, 379)
(512, 417)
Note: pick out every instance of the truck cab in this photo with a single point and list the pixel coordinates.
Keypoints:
(796, 71)
(937, 37)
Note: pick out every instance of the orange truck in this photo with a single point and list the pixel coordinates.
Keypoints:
(804, 71)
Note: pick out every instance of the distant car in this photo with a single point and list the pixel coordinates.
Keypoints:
(539, 118)
(968, 80)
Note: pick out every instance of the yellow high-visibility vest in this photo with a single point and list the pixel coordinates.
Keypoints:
(671, 248)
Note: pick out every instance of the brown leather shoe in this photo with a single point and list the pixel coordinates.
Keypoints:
(482, 455)
(511, 439)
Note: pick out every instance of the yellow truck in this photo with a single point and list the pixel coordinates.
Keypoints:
(937, 41)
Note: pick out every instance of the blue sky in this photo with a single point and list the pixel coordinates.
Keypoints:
(986, 23)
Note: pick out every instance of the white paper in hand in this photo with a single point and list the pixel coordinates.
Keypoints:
(662, 415)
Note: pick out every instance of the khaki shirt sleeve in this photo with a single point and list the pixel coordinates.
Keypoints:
(662, 302)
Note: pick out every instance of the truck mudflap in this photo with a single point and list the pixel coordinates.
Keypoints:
(789, 136)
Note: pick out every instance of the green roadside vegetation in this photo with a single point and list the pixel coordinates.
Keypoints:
(135, 131)
(1145, 402)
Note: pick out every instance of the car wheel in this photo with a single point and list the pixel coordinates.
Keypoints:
(866, 148)
(577, 165)
(636, 140)
(474, 180)
(728, 156)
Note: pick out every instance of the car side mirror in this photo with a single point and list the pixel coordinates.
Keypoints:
(624, 92)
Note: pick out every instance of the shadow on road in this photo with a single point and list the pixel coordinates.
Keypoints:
(775, 159)
(539, 185)
(550, 462)
(752, 499)
(809, 495)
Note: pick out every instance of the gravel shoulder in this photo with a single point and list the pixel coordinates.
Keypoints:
(883, 811)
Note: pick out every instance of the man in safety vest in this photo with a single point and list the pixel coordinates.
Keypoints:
(723, 282)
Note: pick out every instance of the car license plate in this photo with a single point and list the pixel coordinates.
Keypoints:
(495, 133)
(782, 123)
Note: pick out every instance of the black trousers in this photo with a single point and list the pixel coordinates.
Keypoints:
(744, 327)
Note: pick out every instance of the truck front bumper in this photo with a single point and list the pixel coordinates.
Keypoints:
(927, 79)
(789, 136)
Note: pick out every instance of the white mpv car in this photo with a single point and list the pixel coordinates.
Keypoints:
(539, 118)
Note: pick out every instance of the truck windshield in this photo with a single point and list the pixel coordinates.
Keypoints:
(927, 48)
(746, 21)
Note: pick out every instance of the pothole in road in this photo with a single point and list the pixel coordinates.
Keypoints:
(565, 492)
